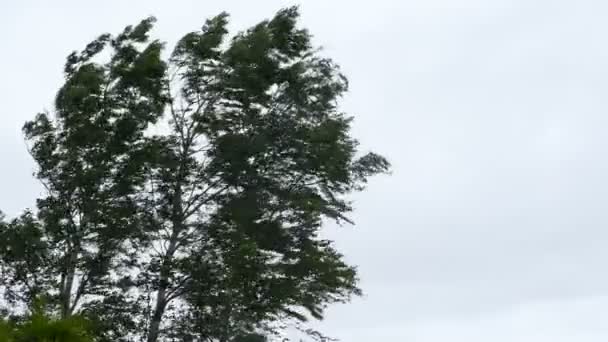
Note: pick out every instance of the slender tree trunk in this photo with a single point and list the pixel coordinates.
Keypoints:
(68, 283)
(177, 222)
(159, 309)
(161, 295)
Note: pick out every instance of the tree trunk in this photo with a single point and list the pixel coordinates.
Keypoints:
(159, 310)
(68, 283)
(161, 295)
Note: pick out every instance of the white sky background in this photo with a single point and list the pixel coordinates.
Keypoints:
(493, 113)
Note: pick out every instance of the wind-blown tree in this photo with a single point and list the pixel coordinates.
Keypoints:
(257, 155)
(186, 195)
(90, 154)
(39, 326)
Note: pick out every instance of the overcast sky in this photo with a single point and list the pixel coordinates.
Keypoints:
(493, 113)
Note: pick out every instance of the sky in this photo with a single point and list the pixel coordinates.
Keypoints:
(492, 226)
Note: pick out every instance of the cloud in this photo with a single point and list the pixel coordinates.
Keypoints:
(493, 225)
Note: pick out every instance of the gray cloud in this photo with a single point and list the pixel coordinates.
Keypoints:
(492, 227)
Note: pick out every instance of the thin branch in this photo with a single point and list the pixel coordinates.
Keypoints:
(178, 289)
(207, 200)
(80, 291)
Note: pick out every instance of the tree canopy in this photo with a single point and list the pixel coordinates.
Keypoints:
(185, 192)
(38, 326)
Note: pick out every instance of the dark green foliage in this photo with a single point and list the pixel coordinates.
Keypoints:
(25, 255)
(185, 197)
(38, 326)
(91, 156)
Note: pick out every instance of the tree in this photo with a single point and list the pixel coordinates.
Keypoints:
(185, 196)
(40, 327)
(90, 156)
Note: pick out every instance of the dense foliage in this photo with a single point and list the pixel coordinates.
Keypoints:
(184, 195)
(38, 326)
